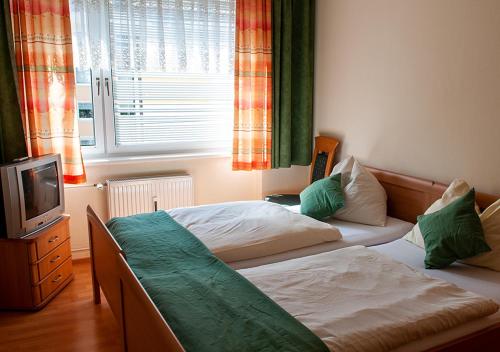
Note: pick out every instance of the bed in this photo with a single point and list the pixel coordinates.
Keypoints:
(249, 233)
(482, 281)
(352, 234)
(360, 299)
(144, 328)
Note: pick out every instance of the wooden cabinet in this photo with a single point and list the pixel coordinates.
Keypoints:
(35, 268)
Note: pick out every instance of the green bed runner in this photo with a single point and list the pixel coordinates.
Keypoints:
(208, 305)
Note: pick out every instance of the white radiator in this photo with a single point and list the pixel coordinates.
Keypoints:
(143, 195)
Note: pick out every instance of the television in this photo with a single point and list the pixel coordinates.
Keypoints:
(32, 193)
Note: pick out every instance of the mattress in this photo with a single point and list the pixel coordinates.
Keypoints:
(482, 281)
(352, 234)
(360, 300)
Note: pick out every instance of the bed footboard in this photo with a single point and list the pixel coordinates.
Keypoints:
(485, 340)
(142, 326)
(104, 252)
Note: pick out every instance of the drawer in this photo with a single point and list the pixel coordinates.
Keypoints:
(51, 261)
(56, 278)
(51, 238)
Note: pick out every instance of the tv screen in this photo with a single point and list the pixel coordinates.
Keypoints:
(41, 189)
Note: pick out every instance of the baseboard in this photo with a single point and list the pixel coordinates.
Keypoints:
(80, 253)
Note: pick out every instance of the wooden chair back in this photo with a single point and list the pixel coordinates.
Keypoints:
(322, 162)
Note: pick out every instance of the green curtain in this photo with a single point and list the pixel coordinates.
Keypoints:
(293, 81)
(12, 143)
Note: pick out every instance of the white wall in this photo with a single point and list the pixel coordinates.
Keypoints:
(290, 180)
(412, 86)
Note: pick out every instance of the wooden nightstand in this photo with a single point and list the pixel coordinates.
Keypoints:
(35, 268)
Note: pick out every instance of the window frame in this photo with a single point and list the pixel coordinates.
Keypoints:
(101, 82)
(96, 87)
(97, 106)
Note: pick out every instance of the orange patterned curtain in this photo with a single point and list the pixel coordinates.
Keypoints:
(253, 86)
(44, 57)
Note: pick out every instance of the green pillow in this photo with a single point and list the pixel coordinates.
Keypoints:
(454, 232)
(322, 198)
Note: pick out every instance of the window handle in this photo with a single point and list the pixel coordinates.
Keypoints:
(106, 83)
(98, 83)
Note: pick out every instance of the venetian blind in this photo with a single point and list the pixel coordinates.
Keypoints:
(172, 71)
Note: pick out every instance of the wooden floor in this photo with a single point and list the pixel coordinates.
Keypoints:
(70, 322)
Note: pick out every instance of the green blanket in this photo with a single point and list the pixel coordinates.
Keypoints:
(208, 305)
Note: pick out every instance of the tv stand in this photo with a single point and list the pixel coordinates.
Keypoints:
(35, 268)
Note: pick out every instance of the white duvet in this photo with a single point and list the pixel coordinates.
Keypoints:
(356, 299)
(237, 231)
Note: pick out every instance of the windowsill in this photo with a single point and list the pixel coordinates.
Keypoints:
(90, 160)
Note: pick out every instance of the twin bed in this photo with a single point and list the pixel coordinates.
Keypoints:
(251, 233)
(484, 282)
(352, 234)
(330, 292)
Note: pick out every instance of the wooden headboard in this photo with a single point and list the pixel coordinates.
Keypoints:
(409, 197)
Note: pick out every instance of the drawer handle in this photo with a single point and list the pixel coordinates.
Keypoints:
(55, 259)
(58, 277)
(53, 239)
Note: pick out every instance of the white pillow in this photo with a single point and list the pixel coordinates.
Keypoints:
(490, 219)
(365, 198)
(454, 191)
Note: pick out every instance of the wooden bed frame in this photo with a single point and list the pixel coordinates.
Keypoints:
(142, 326)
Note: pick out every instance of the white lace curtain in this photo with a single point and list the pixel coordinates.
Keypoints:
(90, 49)
(192, 36)
(171, 65)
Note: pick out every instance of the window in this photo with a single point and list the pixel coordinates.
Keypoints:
(154, 76)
